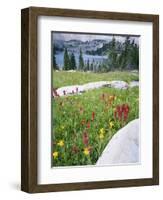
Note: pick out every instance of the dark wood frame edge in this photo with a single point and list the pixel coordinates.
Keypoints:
(29, 99)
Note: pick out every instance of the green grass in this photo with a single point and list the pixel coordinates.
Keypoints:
(63, 78)
(72, 114)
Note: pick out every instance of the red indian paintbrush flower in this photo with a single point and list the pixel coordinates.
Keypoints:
(85, 138)
(125, 111)
(88, 124)
(115, 114)
(121, 111)
(93, 116)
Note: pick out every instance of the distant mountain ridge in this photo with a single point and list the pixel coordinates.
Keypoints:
(74, 45)
(90, 47)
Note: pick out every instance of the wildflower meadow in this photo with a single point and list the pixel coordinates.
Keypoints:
(83, 124)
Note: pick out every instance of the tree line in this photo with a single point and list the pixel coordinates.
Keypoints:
(70, 62)
(123, 55)
(120, 56)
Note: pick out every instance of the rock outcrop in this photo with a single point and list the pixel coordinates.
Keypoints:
(123, 148)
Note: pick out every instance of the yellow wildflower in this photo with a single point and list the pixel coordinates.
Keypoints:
(62, 127)
(111, 98)
(101, 136)
(86, 151)
(111, 124)
(102, 131)
(55, 154)
(60, 143)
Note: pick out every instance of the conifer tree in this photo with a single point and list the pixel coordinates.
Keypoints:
(134, 53)
(66, 60)
(124, 58)
(72, 62)
(91, 66)
(55, 66)
(112, 55)
(81, 61)
(88, 65)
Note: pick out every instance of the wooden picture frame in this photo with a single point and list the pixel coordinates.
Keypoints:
(29, 97)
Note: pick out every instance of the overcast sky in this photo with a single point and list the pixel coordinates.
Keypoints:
(88, 37)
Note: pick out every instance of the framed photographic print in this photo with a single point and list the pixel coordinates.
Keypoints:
(90, 99)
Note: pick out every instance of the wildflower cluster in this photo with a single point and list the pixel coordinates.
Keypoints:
(121, 112)
(84, 124)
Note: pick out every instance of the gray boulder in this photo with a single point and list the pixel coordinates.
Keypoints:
(123, 148)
